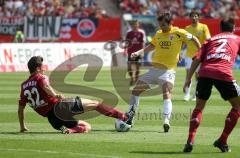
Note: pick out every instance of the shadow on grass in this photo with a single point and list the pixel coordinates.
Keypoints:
(103, 130)
(131, 131)
(156, 131)
(19, 133)
(170, 152)
(156, 153)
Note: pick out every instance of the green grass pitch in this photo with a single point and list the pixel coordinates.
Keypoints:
(146, 139)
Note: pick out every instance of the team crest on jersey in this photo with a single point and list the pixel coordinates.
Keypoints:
(171, 37)
(199, 33)
(86, 28)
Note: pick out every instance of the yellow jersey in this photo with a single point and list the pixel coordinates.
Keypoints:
(201, 32)
(168, 46)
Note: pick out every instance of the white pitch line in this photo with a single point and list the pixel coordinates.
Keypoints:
(56, 152)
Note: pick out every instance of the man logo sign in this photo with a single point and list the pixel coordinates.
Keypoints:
(86, 28)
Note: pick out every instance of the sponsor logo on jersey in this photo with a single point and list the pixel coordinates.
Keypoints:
(165, 44)
(199, 33)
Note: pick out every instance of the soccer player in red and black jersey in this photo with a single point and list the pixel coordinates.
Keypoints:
(37, 91)
(217, 57)
(136, 38)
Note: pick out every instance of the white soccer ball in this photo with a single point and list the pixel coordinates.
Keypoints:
(121, 126)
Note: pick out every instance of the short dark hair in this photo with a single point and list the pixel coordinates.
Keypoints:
(34, 62)
(194, 12)
(227, 25)
(134, 21)
(167, 16)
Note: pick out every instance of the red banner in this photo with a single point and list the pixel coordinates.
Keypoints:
(91, 30)
(58, 29)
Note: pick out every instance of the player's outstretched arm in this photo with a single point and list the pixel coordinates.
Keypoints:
(196, 41)
(50, 91)
(148, 48)
(23, 128)
(192, 70)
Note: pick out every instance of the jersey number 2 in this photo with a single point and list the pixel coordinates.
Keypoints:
(34, 103)
(221, 48)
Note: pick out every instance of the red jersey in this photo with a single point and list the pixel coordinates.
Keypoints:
(218, 56)
(136, 39)
(32, 92)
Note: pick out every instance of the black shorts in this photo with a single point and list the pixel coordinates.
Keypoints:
(134, 60)
(227, 89)
(63, 112)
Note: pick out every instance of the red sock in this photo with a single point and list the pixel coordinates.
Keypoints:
(194, 123)
(230, 123)
(111, 112)
(80, 128)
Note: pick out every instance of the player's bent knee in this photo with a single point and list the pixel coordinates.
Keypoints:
(87, 126)
(95, 102)
(235, 102)
(89, 105)
(167, 87)
(200, 104)
(167, 95)
(136, 92)
(140, 88)
(167, 90)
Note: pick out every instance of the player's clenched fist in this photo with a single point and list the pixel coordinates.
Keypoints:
(137, 53)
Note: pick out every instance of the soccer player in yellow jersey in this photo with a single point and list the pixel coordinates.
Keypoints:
(202, 33)
(167, 44)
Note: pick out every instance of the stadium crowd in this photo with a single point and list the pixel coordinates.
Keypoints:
(181, 8)
(66, 8)
(86, 8)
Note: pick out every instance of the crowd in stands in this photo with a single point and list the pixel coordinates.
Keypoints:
(181, 8)
(65, 8)
(86, 8)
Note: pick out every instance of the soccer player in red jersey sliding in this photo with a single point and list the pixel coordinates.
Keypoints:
(37, 91)
(217, 57)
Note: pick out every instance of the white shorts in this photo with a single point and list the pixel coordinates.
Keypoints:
(158, 76)
(188, 62)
